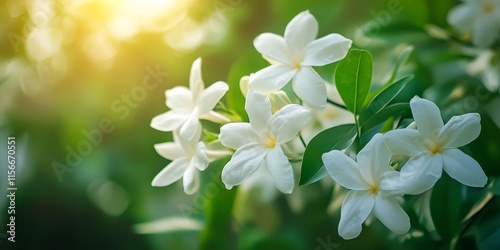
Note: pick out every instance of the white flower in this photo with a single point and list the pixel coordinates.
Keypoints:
(480, 18)
(293, 56)
(374, 186)
(188, 158)
(189, 105)
(258, 143)
(433, 147)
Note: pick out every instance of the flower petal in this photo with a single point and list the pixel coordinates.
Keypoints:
(462, 17)
(404, 142)
(191, 180)
(485, 33)
(421, 172)
(344, 170)
(211, 96)
(272, 78)
(179, 97)
(200, 158)
(171, 173)
(326, 50)
(258, 107)
(390, 184)
(195, 81)
(463, 168)
(280, 169)
(273, 46)
(427, 117)
(355, 209)
(310, 88)
(244, 162)
(299, 32)
(169, 150)
(215, 117)
(191, 126)
(374, 159)
(235, 135)
(390, 213)
(169, 120)
(288, 121)
(460, 130)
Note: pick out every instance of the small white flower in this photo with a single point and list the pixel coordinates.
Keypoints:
(187, 106)
(480, 18)
(374, 186)
(188, 158)
(258, 143)
(293, 56)
(433, 147)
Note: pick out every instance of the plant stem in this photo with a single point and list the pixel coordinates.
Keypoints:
(338, 105)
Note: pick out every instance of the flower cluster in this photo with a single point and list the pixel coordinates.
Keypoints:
(267, 142)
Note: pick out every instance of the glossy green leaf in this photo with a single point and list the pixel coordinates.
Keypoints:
(384, 98)
(488, 228)
(353, 78)
(339, 137)
(385, 113)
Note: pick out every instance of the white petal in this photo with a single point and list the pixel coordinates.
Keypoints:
(390, 213)
(188, 145)
(215, 117)
(235, 135)
(485, 33)
(191, 126)
(462, 17)
(460, 130)
(171, 173)
(427, 117)
(195, 81)
(211, 96)
(344, 170)
(288, 121)
(374, 159)
(280, 169)
(244, 162)
(299, 32)
(421, 172)
(179, 97)
(170, 120)
(200, 159)
(463, 168)
(272, 46)
(310, 88)
(258, 107)
(404, 142)
(355, 209)
(326, 50)
(191, 180)
(272, 78)
(169, 150)
(390, 184)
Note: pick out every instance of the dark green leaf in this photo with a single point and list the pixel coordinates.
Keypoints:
(446, 203)
(353, 78)
(338, 137)
(488, 228)
(383, 98)
(385, 113)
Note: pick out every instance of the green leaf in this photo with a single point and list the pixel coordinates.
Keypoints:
(339, 137)
(353, 78)
(385, 113)
(402, 58)
(383, 98)
(488, 228)
(446, 204)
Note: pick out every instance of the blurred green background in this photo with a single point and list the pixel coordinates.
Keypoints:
(88, 76)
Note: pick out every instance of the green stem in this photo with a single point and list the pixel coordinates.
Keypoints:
(338, 105)
(358, 137)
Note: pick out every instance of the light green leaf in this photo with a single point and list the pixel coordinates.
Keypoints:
(402, 58)
(353, 78)
(339, 137)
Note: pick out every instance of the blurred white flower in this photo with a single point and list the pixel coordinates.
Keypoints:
(258, 143)
(433, 147)
(293, 56)
(374, 186)
(187, 106)
(480, 18)
(188, 158)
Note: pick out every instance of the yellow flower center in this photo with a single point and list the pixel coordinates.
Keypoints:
(373, 189)
(270, 142)
(488, 8)
(435, 148)
(297, 65)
